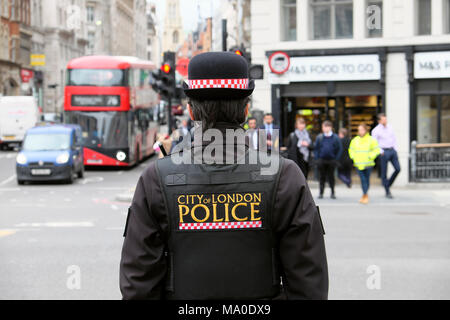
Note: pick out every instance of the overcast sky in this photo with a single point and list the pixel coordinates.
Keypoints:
(189, 11)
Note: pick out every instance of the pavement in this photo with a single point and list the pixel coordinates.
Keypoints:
(61, 241)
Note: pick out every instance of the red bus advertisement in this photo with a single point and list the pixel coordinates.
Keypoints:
(117, 109)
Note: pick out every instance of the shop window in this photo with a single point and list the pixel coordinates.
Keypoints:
(445, 119)
(427, 119)
(332, 19)
(423, 17)
(375, 18)
(289, 20)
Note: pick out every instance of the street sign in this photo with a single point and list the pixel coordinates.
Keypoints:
(37, 60)
(279, 62)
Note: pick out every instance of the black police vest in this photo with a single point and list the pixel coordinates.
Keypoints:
(220, 242)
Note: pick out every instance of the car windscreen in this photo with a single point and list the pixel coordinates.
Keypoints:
(96, 77)
(46, 142)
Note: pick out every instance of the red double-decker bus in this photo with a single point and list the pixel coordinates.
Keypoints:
(112, 100)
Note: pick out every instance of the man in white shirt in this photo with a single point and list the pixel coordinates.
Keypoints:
(387, 141)
(252, 133)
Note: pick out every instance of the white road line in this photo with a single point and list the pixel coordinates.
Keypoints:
(82, 224)
(4, 182)
(114, 207)
(10, 155)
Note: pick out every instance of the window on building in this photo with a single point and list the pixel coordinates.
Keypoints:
(447, 16)
(90, 13)
(175, 37)
(289, 20)
(423, 17)
(149, 41)
(15, 50)
(332, 19)
(13, 10)
(374, 18)
(5, 8)
(91, 40)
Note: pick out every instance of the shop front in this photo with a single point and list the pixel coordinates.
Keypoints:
(430, 121)
(345, 89)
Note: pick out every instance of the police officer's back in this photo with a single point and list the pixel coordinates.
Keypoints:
(220, 229)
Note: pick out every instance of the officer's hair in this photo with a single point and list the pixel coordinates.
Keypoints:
(380, 115)
(210, 112)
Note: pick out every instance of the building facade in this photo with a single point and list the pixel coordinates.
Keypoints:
(237, 14)
(153, 36)
(173, 35)
(116, 27)
(15, 47)
(349, 60)
(65, 38)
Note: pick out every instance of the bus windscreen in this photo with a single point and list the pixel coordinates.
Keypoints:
(96, 77)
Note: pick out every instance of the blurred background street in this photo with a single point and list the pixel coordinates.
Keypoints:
(46, 228)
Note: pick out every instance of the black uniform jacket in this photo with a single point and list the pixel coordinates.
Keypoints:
(296, 223)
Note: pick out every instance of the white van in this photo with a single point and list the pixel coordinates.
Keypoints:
(17, 115)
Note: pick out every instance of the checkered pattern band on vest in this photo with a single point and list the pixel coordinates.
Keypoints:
(218, 83)
(221, 225)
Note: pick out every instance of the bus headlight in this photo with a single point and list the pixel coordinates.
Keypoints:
(63, 158)
(121, 156)
(21, 159)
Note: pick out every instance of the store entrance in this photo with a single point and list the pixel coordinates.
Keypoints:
(343, 111)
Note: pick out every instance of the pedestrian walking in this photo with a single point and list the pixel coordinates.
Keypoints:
(208, 230)
(327, 151)
(252, 133)
(387, 141)
(299, 144)
(272, 131)
(363, 151)
(345, 163)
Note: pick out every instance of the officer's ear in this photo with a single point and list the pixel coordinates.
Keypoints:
(190, 112)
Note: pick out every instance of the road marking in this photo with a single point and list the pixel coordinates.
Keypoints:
(4, 233)
(82, 224)
(8, 180)
(114, 207)
(10, 155)
(92, 180)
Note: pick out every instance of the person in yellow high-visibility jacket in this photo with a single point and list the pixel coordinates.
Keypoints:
(363, 151)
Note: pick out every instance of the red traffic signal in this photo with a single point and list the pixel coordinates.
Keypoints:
(166, 68)
(239, 52)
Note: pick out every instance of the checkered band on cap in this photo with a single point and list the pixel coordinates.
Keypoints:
(218, 83)
(221, 225)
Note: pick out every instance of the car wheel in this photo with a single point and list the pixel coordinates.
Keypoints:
(80, 174)
(20, 182)
(70, 179)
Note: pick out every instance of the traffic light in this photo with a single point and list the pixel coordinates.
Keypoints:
(168, 75)
(255, 71)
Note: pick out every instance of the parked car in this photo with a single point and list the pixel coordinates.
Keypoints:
(17, 115)
(51, 153)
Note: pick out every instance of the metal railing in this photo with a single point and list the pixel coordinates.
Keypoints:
(430, 162)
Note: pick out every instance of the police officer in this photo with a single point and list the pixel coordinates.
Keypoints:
(216, 229)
